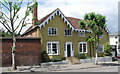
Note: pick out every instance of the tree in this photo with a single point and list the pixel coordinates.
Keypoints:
(96, 23)
(9, 22)
(91, 40)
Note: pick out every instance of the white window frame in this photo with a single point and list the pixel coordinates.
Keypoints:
(67, 35)
(102, 48)
(79, 34)
(58, 47)
(52, 34)
(82, 47)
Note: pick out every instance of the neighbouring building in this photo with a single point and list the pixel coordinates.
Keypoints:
(62, 36)
(114, 41)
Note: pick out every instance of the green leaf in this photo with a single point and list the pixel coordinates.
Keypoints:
(36, 23)
(17, 16)
(34, 18)
(6, 2)
(27, 13)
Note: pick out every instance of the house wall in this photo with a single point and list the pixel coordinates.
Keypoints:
(58, 23)
(114, 40)
(28, 51)
(32, 34)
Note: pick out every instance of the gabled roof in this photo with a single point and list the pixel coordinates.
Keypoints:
(74, 22)
(70, 21)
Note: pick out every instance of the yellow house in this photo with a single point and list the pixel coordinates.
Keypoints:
(62, 36)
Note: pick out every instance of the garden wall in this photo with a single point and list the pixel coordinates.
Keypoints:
(28, 51)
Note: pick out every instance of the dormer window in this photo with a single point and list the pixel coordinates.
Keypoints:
(68, 32)
(52, 31)
(81, 34)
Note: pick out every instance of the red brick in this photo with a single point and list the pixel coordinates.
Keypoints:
(28, 51)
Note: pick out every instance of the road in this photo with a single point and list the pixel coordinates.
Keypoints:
(98, 69)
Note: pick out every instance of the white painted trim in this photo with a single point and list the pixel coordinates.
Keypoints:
(58, 47)
(65, 20)
(56, 32)
(72, 49)
(82, 47)
(68, 35)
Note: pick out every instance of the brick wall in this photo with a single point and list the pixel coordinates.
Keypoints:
(28, 51)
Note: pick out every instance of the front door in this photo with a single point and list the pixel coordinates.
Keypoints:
(69, 49)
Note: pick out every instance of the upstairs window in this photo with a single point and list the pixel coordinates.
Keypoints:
(68, 32)
(81, 34)
(52, 31)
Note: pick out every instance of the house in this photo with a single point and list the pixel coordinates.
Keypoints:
(114, 41)
(62, 36)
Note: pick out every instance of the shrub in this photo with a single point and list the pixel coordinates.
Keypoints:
(81, 56)
(56, 59)
(44, 57)
(100, 55)
(64, 58)
(108, 50)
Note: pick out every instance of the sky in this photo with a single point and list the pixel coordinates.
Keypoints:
(78, 8)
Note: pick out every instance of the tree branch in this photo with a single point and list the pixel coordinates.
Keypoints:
(5, 15)
(5, 6)
(5, 27)
(15, 12)
(22, 21)
(11, 19)
(6, 23)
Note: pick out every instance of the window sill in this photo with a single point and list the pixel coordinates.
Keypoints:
(83, 52)
(53, 54)
(52, 35)
(67, 35)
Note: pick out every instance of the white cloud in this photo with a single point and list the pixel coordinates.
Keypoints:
(78, 8)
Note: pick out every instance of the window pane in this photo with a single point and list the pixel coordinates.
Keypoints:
(49, 45)
(80, 48)
(52, 31)
(49, 30)
(55, 31)
(54, 51)
(54, 47)
(68, 32)
(49, 51)
(84, 47)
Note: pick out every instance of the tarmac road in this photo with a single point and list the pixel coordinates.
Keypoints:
(97, 69)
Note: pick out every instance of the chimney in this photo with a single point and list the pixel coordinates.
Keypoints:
(34, 15)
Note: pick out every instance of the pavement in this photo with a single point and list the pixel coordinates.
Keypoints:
(59, 67)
